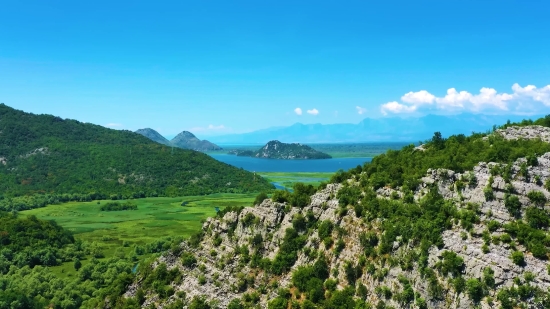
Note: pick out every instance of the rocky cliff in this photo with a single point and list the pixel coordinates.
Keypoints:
(489, 249)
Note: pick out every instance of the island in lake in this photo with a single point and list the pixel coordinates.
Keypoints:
(285, 151)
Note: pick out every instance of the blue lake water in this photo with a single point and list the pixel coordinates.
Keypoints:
(269, 165)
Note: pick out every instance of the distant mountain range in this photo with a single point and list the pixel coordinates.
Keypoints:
(278, 150)
(373, 130)
(184, 140)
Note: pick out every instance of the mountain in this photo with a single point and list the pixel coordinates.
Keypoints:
(278, 150)
(187, 140)
(372, 129)
(153, 135)
(457, 223)
(184, 140)
(56, 159)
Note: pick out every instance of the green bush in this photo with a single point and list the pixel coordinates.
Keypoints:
(188, 259)
(517, 258)
(474, 288)
(537, 218)
(512, 204)
(451, 264)
(537, 198)
(260, 198)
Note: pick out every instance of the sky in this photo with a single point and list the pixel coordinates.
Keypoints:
(219, 67)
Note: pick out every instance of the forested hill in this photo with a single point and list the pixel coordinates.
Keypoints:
(47, 154)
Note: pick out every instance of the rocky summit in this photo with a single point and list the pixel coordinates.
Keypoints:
(477, 237)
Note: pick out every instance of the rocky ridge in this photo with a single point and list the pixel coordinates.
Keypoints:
(222, 275)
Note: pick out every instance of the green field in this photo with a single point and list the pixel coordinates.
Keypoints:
(288, 179)
(155, 217)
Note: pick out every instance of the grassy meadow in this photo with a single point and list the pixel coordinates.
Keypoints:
(154, 219)
(287, 180)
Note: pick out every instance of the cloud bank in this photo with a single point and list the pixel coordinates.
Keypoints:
(488, 99)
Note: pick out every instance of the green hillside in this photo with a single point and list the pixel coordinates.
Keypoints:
(54, 160)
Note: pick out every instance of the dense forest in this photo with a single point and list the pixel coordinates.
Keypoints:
(45, 159)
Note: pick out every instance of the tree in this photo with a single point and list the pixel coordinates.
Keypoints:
(260, 198)
(438, 141)
(77, 264)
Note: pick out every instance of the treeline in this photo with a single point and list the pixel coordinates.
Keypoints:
(47, 157)
(116, 206)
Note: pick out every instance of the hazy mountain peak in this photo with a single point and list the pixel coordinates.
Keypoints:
(153, 135)
(188, 140)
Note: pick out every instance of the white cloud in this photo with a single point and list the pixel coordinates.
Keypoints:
(419, 97)
(530, 91)
(313, 112)
(397, 108)
(113, 125)
(298, 111)
(489, 96)
(213, 127)
(487, 99)
(361, 110)
(210, 127)
(453, 99)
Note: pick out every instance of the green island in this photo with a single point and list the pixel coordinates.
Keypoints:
(285, 151)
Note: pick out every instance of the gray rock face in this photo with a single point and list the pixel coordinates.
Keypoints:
(529, 132)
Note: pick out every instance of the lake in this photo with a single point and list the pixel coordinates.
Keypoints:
(270, 165)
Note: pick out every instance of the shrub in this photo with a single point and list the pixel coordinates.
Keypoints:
(188, 259)
(513, 205)
(299, 222)
(493, 225)
(537, 198)
(325, 229)
(518, 258)
(260, 198)
(489, 277)
(474, 288)
(280, 196)
(537, 218)
(452, 263)
(278, 303)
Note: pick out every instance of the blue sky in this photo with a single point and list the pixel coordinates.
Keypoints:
(216, 67)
